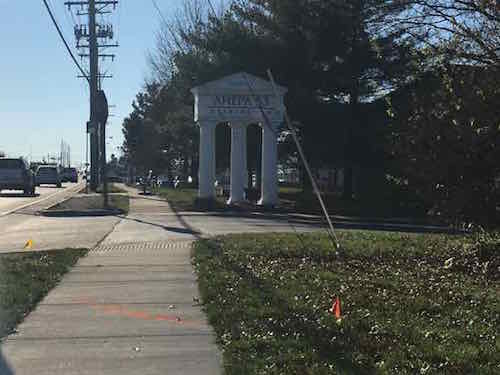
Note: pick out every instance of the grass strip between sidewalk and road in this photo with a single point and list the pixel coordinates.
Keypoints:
(120, 202)
(410, 303)
(84, 202)
(186, 199)
(26, 278)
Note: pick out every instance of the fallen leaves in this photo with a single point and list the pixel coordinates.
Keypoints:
(407, 301)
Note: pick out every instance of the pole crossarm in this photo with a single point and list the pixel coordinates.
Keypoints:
(102, 55)
(82, 3)
(100, 46)
(100, 76)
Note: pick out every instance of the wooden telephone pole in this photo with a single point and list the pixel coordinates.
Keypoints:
(97, 36)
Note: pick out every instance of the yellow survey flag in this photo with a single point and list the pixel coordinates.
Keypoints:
(28, 245)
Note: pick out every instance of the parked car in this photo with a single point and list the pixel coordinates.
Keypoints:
(69, 175)
(15, 174)
(48, 175)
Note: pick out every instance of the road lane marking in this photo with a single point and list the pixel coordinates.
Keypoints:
(67, 190)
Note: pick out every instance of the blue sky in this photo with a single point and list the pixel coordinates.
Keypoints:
(41, 100)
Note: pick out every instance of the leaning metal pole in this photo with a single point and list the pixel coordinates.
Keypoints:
(306, 165)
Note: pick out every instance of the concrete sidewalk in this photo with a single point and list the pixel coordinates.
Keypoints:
(127, 308)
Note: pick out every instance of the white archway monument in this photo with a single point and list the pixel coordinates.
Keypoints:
(240, 99)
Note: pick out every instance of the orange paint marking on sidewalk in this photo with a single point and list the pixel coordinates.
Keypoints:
(167, 318)
(142, 315)
(120, 310)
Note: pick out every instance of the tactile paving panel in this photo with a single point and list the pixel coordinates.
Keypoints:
(141, 247)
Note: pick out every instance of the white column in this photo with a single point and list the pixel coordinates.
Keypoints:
(237, 163)
(269, 194)
(207, 161)
(244, 170)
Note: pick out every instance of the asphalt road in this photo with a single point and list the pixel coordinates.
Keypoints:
(20, 222)
(11, 201)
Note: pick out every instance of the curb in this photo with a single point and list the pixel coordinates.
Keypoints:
(80, 213)
(67, 198)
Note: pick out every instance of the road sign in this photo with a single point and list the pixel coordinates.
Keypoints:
(90, 128)
(102, 109)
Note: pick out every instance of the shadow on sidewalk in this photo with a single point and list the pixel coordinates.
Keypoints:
(338, 223)
(186, 230)
(312, 221)
(4, 367)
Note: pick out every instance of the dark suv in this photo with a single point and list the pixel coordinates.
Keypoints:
(16, 175)
(48, 175)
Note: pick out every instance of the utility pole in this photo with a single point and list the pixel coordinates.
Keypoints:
(94, 33)
(94, 79)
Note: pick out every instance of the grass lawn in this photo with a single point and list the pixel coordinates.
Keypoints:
(84, 202)
(25, 278)
(411, 304)
(185, 199)
(283, 189)
(121, 202)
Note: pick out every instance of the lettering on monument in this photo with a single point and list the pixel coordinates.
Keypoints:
(242, 101)
(241, 105)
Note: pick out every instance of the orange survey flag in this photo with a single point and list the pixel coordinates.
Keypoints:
(336, 308)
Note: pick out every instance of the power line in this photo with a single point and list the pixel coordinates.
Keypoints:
(159, 11)
(64, 40)
(212, 8)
